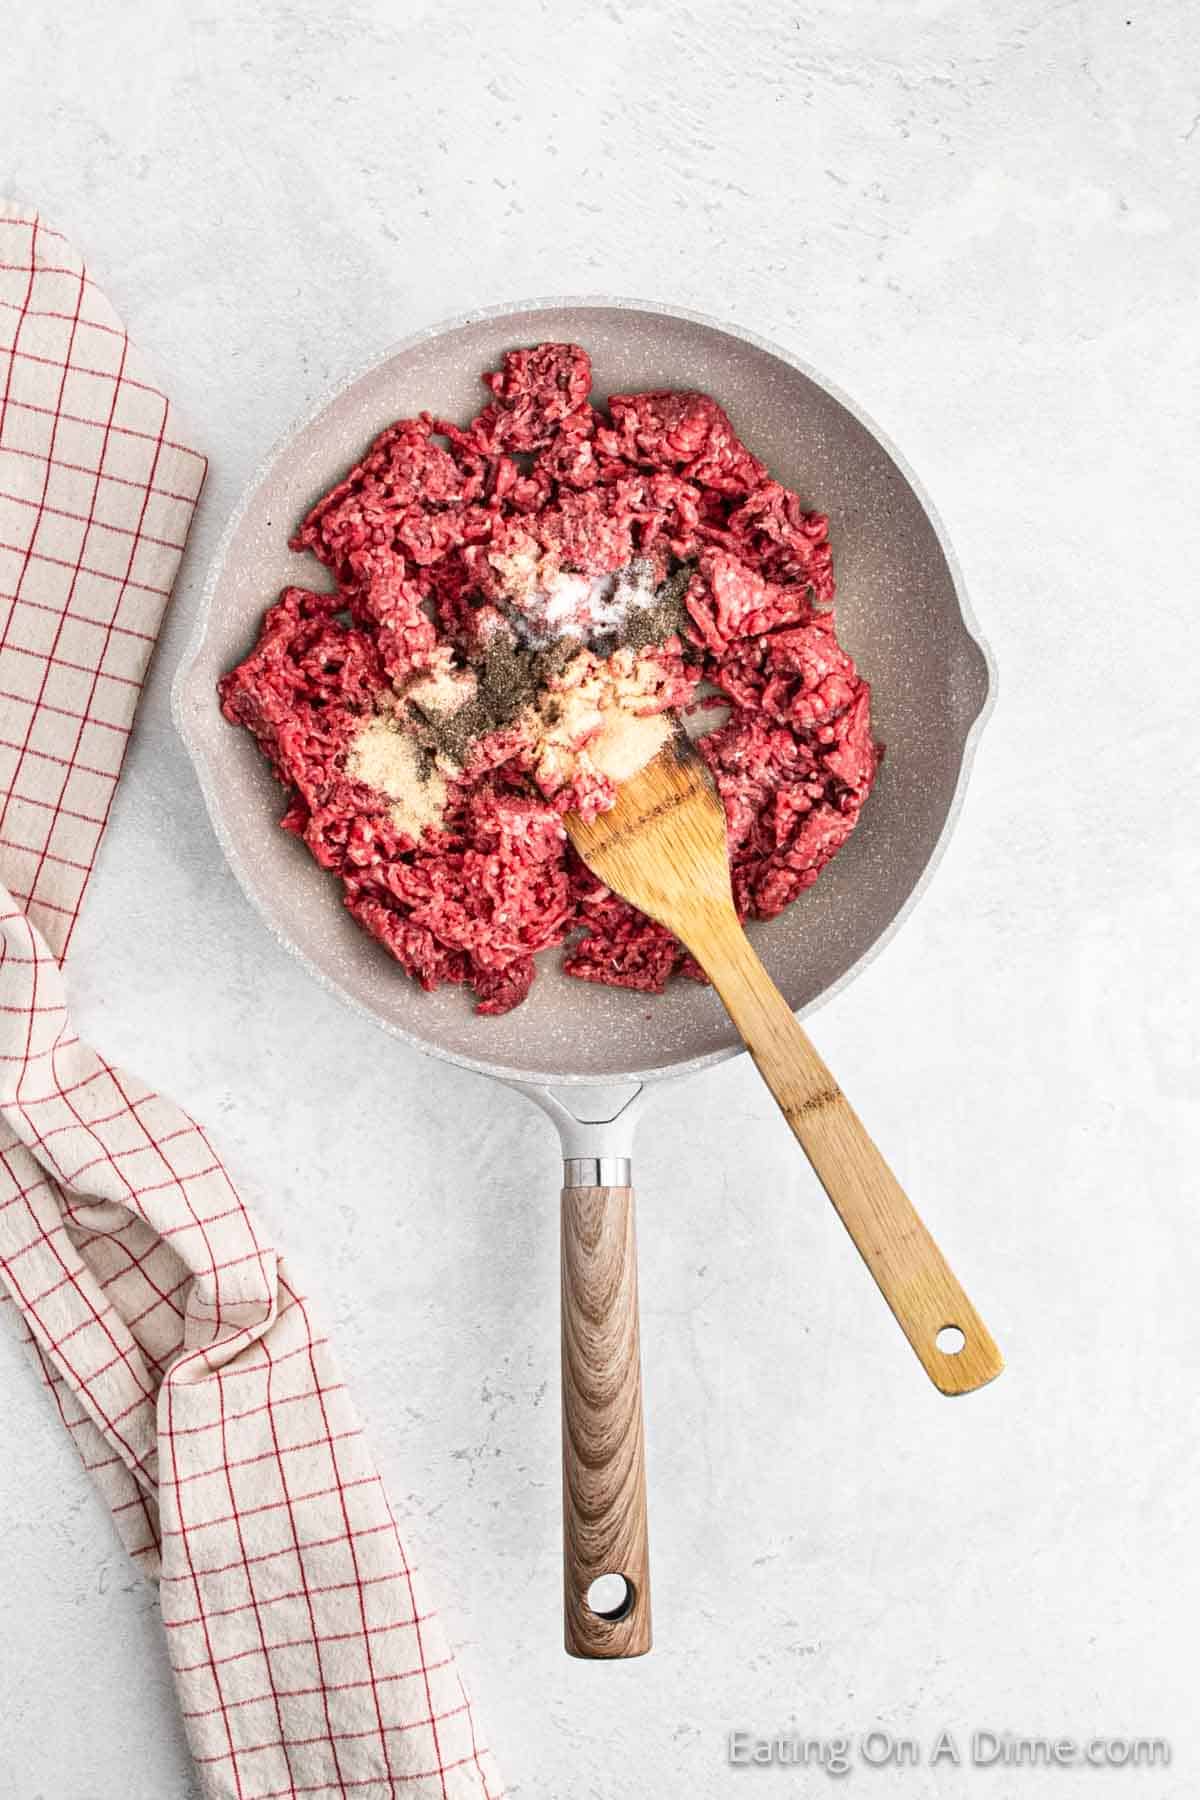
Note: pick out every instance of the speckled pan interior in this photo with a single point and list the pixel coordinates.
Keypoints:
(901, 613)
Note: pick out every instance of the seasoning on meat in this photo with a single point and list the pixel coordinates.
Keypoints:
(387, 757)
(522, 606)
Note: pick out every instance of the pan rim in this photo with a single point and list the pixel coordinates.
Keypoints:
(203, 768)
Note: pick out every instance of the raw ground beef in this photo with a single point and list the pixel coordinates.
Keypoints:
(421, 539)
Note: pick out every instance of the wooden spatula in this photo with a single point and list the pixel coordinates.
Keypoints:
(662, 847)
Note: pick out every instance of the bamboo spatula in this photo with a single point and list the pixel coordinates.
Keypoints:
(662, 847)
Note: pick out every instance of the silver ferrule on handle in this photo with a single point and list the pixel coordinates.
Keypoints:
(597, 1172)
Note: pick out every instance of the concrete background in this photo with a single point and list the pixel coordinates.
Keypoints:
(981, 221)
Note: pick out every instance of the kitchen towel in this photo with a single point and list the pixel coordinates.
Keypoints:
(180, 1352)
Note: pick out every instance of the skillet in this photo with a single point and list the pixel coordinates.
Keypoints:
(589, 1056)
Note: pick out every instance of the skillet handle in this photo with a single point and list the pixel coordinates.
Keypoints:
(604, 1476)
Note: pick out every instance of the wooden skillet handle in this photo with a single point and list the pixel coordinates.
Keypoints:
(604, 1476)
(911, 1272)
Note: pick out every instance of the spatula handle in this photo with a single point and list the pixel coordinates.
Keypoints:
(911, 1272)
(604, 1475)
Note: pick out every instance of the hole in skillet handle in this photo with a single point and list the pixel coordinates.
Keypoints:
(611, 1597)
(950, 1340)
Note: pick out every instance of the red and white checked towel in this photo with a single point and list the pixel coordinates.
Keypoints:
(179, 1351)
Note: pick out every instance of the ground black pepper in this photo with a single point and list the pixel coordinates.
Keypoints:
(510, 675)
(508, 678)
(646, 626)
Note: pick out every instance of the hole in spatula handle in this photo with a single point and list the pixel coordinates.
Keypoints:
(950, 1340)
(611, 1597)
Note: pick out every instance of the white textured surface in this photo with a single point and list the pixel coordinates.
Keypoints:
(983, 223)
